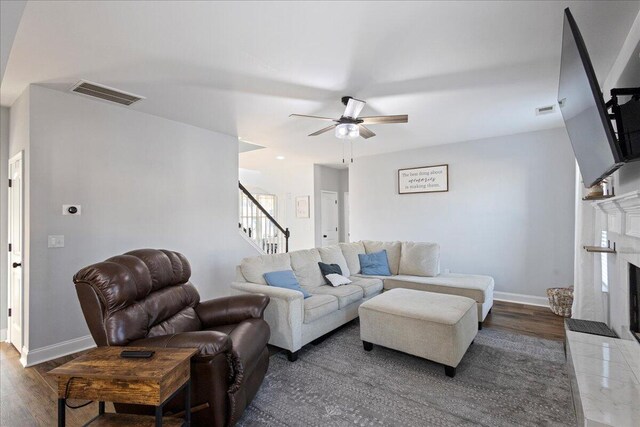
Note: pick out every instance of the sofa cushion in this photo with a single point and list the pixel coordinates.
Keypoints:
(350, 252)
(253, 268)
(305, 266)
(346, 294)
(317, 306)
(333, 255)
(375, 263)
(285, 279)
(419, 259)
(370, 286)
(393, 252)
(467, 285)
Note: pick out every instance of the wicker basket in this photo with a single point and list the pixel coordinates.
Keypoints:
(560, 300)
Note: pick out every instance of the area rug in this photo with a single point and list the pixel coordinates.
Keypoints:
(505, 379)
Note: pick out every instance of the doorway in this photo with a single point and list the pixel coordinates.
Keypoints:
(345, 209)
(15, 234)
(329, 218)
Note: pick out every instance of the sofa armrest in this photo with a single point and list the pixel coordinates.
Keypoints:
(231, 310)
(271, 291)
(284, 313)
(208, 343)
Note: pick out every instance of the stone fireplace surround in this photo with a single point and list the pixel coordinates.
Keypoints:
(605, 372)
(621, 220)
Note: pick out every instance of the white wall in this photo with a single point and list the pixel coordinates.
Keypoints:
(509, 212)
(286, 180)
(4, 158)
(142, 181)
(329, 179)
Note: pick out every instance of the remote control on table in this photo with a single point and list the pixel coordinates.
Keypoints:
(137, 354)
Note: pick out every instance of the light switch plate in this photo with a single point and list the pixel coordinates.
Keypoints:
(65, 210)
(55, 241)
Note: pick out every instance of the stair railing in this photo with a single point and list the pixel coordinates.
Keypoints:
(260, 226)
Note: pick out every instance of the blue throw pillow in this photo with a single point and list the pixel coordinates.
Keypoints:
(375, 264)
(284, 279)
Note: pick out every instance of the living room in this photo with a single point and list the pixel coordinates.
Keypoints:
(465, 93)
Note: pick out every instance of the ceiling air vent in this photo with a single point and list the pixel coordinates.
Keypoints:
(105, 93)
(545, 110)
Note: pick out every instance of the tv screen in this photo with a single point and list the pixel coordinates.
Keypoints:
(583, 109)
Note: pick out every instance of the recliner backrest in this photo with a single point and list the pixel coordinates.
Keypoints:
(142, 293)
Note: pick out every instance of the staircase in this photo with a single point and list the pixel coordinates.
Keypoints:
(259, 226)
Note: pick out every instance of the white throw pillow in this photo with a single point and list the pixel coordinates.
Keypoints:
(337, 280)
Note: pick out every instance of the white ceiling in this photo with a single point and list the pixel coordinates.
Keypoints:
(461, 70)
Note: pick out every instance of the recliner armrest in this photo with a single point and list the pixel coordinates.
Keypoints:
(208, 343)
(231, 310)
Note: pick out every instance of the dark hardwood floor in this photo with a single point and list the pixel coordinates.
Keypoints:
(28, 396)
(525, 319)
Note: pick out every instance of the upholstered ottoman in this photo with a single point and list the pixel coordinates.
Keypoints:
(434, 326)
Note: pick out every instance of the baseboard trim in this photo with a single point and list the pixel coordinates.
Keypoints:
(521, 299)
(3, 335)
(43, 354)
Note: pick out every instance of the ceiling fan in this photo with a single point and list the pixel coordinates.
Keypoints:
(349, 125)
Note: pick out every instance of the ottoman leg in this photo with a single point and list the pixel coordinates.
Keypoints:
(292, 356)
(479, 326)
(367, 345)
(450, 371)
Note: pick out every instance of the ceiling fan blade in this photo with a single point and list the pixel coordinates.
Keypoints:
(365, 133)
(374, 120)
(323, 130)
(312, 117)
(353, 108)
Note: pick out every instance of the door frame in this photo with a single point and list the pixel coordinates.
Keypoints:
(19, 156)
(345, 213)
(334, 193)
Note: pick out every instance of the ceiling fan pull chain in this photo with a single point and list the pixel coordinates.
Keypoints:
(342, 152)
(351, 151)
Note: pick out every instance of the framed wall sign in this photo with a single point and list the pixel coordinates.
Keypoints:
(426, 179)
(302, 207)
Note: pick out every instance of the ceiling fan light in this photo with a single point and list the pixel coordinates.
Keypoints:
(347, 131)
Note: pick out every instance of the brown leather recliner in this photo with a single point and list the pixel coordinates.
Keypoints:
(144, 298)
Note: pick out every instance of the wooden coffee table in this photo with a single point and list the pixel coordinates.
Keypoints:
(103, 376)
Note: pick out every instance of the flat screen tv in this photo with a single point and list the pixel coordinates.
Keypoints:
(583, 109)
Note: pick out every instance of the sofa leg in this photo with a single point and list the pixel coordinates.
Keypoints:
(292, 356)
(479, 326)
(450, 371)
(367, 346)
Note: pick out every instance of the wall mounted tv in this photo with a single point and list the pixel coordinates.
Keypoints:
(598, 150)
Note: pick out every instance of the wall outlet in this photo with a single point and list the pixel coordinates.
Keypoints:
(74, 210)
(55, 241)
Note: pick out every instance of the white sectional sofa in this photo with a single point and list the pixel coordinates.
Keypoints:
(296, 321)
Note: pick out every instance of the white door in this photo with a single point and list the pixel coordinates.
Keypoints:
(346, 218)
(15, 254)
(329, 218)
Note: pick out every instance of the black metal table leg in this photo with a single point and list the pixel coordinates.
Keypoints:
(101, 408)
(187, 404)
(61, 412)
(159, 416)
